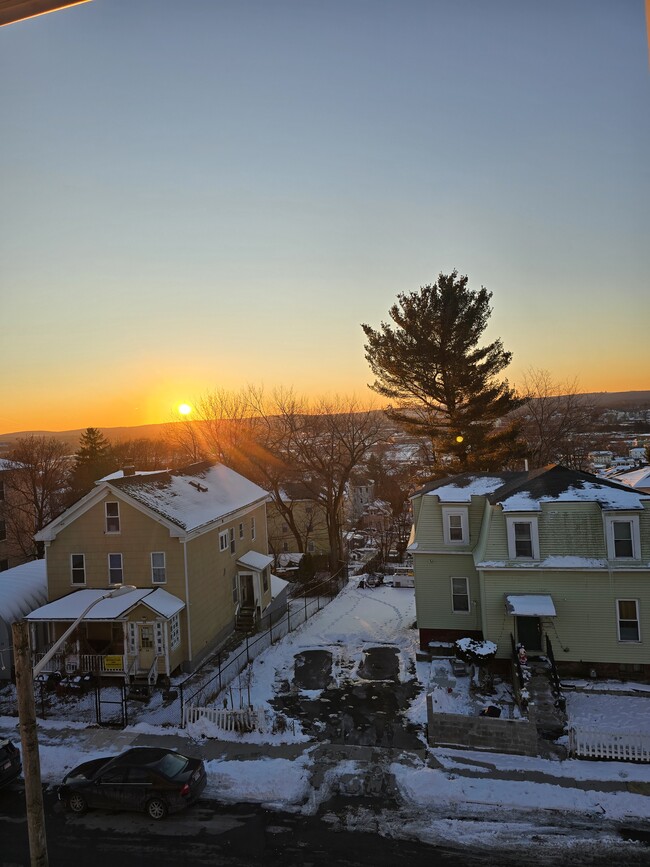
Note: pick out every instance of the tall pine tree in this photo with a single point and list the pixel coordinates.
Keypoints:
(440, 382)
(93, 459)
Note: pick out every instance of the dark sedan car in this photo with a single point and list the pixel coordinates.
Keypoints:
(10, 766)
(156, 781)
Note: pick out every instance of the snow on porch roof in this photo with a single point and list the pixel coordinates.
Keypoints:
(530, 606)
(73, 605)
(255, 560)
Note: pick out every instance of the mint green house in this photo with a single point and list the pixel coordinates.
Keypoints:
(551, 558)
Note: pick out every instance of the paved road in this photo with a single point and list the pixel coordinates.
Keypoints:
(241, 836)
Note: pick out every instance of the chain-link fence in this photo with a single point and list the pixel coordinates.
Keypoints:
(114, 704)
(202, 687)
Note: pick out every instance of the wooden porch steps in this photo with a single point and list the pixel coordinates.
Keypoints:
(246, 620)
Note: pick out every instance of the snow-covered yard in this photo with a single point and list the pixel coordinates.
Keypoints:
(449, 795)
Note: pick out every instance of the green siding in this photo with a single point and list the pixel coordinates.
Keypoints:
(585, 603)
(433, 602)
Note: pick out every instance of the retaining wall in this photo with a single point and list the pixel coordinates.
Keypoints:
(517, 736)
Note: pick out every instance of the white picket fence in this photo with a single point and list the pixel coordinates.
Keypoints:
(598, 744)
(246, 720)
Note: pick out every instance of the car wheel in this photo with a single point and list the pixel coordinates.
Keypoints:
(157, 808)
(77, 803)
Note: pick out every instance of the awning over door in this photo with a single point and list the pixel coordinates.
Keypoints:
(255, 561)
(527, 605)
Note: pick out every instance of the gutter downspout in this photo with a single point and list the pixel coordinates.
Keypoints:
(187, 602)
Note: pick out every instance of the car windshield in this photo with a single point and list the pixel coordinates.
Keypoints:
(171, 764)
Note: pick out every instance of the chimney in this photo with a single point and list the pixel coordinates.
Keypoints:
(128, 470)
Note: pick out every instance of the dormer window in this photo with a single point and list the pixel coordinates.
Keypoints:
(622, 534)
(455, 526)
(112, 517)
(523, 540)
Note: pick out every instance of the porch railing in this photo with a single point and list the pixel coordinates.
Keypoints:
(96, 663)
(555, 677)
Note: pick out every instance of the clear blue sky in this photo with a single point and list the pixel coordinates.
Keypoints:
(204, 194)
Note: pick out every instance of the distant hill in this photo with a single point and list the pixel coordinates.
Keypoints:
(620, 400)
(115, 434)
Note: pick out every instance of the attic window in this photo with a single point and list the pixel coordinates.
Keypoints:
(199, 487)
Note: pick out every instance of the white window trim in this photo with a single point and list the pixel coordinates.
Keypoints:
(113, 517)
(447, 512)
(511, 520)
(241, 530)
(108, 558)
(469, 601)
(638, 622)
(224, 542)
(72, 570)
(163, 567)
(253, 529)
(231, 538)
(174, 631)
(610, 520)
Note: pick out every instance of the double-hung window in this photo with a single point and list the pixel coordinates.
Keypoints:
(627, 619)
(253, 529)
(115, 570)
(454, 526)
(232, 540)
(523, 541)
(241, 530)
(460, 595)
(112, 517)
(623, 540)
(77, 568)
(223, 541)
(158, 574)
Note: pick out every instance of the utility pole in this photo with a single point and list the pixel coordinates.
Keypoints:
(29, 741)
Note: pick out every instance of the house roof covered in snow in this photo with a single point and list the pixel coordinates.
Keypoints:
(638, 479)
(73, 605)
(22, 589)
(190, 499)
(525, 491)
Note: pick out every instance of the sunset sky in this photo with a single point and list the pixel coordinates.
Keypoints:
(201, 194)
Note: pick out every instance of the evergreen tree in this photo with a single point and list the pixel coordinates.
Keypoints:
(442, 384)
(93, 459)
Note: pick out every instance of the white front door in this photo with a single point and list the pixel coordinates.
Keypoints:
(146, 647)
